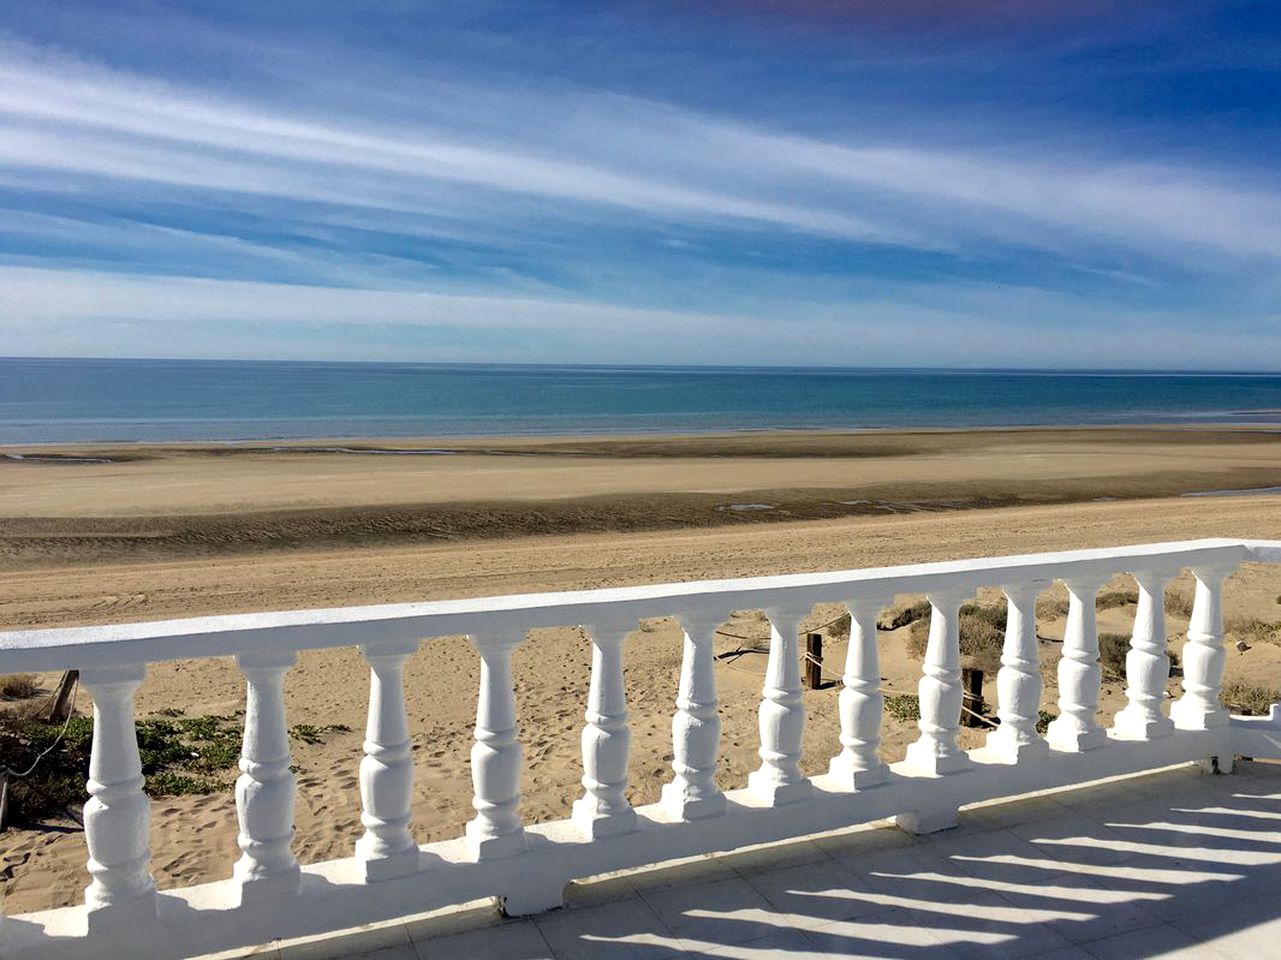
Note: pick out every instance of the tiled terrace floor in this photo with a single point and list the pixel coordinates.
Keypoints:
(1177, 864)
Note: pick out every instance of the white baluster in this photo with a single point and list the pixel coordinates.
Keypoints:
(117, 816)
(696, 728)
(265, 788)
(603, 810)
(1018, 683)
(779, 780)
(1203, 655)
(1147, 665)
(496, 830)
(1076, 728)
(387, 849)
(935, 753)
(861, 704)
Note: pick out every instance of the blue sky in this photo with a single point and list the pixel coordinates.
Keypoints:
(1018, 184)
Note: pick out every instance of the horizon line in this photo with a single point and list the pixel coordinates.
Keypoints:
(675, 367)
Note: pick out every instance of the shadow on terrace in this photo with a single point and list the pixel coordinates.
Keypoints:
(1172, 864)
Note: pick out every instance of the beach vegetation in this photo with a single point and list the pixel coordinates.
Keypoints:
(982, 635)
(19, 686)
(1043, 720)
(1178, 604)
(180, 755)
(1253, 628)
(1051, 607)
(311, 733)
(1112, 650)
(1249, 699)
(907, 616)
(920, 613)
(903, 706)
(1111, 599)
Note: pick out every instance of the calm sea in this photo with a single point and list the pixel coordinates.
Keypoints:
(51, 401)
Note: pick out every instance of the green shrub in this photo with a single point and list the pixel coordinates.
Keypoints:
(309, 733)
(19, 686)
(903, 706)
(996, 617)
(913, 614)
(1112, 650)
(1247, 698)
(982, 635)
(179, 755)
(1043, 721)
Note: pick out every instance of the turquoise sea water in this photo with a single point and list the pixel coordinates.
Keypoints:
(58, 401)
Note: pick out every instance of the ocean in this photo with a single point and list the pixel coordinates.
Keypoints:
(74, 400)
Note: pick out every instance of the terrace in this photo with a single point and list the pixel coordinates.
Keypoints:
(1158, 858)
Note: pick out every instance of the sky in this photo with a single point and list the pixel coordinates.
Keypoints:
(949, 183)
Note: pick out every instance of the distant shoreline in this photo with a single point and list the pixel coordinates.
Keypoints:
(527, 444)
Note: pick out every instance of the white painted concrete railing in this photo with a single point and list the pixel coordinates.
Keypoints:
(269, 896)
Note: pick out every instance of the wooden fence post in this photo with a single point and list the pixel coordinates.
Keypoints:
(814, 660)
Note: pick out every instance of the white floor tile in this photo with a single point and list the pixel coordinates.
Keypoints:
(727, 911)
(518, 940)
(621, 930)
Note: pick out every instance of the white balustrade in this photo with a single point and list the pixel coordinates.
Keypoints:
(117, 816)
(269, 896)
(779, 780)
(1076, 728)
(861, 705)
(265, 789)
(496, 831)
(387, 849)
(1147, 664)
(1203, 655)
(1018, 683)
(935, 752)
(696, 727)
(603, 810)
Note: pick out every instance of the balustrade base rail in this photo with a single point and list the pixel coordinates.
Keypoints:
(334, 895)
(270, 897)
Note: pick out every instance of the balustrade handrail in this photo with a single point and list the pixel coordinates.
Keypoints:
(527, 866)
(65, 648)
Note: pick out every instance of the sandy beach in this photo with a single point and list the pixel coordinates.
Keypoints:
(174, 530)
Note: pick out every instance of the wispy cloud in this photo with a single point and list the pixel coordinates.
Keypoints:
(134, 194)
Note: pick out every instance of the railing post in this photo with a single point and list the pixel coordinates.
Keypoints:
(1203, 654)
(861, 704)
(496, 830)
(1147, 664)
(118, 813)
(779, 780)
(1018, 683)
(1076, 729)
(265, 788)
(935, 752)
(603, 810)
(696, 727)
(387, 849)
